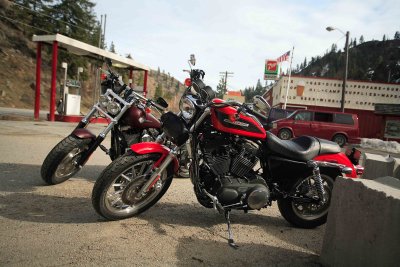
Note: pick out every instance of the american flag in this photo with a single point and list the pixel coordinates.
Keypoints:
(284, 57)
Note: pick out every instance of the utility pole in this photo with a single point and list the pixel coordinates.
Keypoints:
(345, 71)
(226, 74)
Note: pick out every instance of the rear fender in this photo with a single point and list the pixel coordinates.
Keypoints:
(83, 133)
(339, 158)
(152, 147)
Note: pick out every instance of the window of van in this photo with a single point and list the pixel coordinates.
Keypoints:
(343, 119)
(303, 116)
(325, 117)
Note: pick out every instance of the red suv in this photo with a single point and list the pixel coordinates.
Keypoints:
(339, 127)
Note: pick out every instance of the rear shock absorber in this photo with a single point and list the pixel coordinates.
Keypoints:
(318, 180)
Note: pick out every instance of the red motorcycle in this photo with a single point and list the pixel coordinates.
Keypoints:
(235, 164)
(129, 123)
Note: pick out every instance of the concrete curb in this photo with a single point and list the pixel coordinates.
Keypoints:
(363, 227)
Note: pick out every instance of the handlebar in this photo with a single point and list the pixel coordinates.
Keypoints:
(157, 106)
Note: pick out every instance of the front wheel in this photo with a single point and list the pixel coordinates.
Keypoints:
(300, 209)
(115, 193)
(60, 163)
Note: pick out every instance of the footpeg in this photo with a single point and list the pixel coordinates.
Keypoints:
(104, 149)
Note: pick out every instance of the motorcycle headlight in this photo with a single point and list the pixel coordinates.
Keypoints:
(187, 108)
(103, 100)
(113, 108)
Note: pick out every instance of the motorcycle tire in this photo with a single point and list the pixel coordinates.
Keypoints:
(113, 195)
(303, 214)
(59, 163)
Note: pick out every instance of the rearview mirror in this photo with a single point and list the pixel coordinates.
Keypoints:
(108, 62)
(162, 102)
(261, 103)
(192, 60)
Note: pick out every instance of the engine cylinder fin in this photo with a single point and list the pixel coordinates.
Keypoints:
(243, 164)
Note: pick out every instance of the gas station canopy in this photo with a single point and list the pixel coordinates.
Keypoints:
(83, 49)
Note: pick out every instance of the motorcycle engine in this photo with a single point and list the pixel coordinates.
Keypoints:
(227, 172)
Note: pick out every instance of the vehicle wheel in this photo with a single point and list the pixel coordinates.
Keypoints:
(340, 139)
(285, 134)
(307, 214)
(59, 164)
(114, 194)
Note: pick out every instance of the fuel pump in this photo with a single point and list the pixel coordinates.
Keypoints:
(70, 94)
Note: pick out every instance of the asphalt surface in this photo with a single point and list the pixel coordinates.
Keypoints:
(44, 225)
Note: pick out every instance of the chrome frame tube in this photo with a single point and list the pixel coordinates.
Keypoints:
(206, 112)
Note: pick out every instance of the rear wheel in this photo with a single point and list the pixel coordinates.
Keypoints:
(115, 193)
(60, 163)
(301, 210)
(340, 139)
(285, 134)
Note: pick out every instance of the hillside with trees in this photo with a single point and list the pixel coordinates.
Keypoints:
(377, 61)
(21, 19)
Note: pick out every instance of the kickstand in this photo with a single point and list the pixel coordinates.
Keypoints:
(230, 236)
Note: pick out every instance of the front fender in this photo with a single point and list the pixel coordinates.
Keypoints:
(83, 133)
(152, 147)
(339, 158)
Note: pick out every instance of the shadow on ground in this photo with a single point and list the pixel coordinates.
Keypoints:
(198, 252)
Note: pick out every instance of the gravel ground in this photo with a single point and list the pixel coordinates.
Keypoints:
(56, 225)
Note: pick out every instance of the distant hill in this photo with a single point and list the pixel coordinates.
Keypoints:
(377, 61)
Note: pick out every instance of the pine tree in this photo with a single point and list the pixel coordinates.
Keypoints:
(384, 38)
(112, 47)
(221, 91)
(397, 36)
(80, 17)
(361, 39)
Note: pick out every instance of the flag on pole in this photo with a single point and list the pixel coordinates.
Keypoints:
(284, 57)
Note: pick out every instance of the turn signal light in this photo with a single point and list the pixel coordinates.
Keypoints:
(188, 82)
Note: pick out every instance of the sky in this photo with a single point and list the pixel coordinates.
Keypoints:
(238, 35)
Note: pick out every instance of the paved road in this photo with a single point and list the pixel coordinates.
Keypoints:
(56, 225)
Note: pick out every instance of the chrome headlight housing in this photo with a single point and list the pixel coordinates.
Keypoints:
(187, 108)
(103, 101)
(113, 108)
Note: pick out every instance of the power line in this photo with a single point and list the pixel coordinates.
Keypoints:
(59, 20)
(16, 21)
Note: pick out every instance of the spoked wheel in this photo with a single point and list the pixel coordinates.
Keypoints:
(305, 210)
(116, 195)
(59, 164)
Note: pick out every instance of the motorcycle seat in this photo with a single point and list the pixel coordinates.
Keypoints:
(302, 148)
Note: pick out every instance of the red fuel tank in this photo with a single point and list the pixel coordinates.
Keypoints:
(224, 120)
(140, 119)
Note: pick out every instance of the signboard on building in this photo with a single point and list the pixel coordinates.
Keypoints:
(392, 129)
(271, 69)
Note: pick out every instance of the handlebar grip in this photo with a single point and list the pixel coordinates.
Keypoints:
(156, 105)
